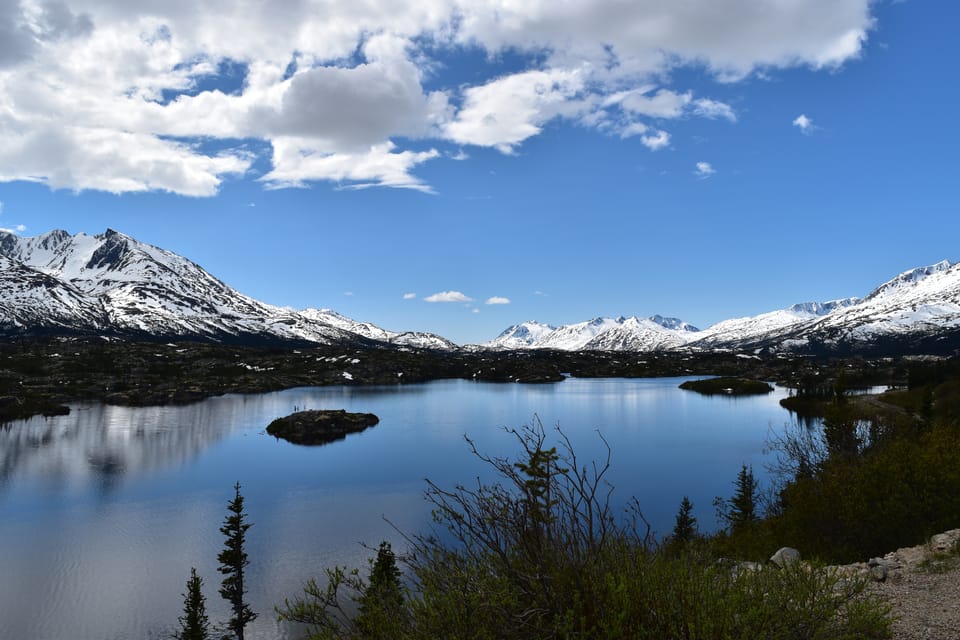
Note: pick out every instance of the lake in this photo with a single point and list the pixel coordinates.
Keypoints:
(104, 511)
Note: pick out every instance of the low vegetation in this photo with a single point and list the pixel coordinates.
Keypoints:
(540, 554)
(881, 472)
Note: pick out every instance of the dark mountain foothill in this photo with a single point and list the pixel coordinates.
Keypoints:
(320, 426)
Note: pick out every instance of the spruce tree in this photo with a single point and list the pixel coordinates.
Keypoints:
(194, 624)
(685, 528)
(233, 560)
(743, 505)
(381, 604)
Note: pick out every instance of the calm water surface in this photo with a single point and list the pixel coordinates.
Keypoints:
(104, 511)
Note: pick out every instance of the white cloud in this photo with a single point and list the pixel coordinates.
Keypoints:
(353, 108)
(704, 170)
(114, 161)
(506, 111)
(708, 108)
(804, 123)
(448, 296)
(409, 296)
(656, 140)
(662, 104)
(648, 102)
(297, 161)
(135, 95)
(21, 228)
(474, 310)
(497, 300)
(1, 206)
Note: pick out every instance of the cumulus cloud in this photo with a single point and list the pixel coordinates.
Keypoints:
(508, 110)
(409, 296)
(296, 161)
(146, 96)
(804, 123)
(497, 300)
(448, 296)
(359, 107)
(704, 170)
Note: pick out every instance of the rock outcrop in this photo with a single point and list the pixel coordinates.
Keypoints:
(316, 427)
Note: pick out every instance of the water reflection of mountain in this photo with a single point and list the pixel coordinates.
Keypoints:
(101, 444)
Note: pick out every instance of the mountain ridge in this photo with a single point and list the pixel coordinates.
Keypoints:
(114, 284)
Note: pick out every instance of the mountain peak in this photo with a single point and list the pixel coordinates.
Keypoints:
(673, 323)
(910, 278)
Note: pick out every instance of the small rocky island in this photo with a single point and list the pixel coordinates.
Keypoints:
(316, 426)
(727, 386)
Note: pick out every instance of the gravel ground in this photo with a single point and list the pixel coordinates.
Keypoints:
(923, 586)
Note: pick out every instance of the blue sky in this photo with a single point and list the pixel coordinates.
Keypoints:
(549, 161)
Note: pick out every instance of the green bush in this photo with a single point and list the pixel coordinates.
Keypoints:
(895, 496)
(540, 555)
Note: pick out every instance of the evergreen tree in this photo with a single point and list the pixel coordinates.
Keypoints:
(194, 624)
(685, 528)
(743, 505)
(381, 604)
(233, 560)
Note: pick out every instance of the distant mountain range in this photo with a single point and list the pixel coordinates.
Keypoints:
(112, 284)
(916, 312)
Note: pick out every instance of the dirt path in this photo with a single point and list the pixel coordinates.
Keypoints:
(923, 585)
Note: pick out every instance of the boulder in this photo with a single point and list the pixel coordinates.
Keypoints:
(785, 557)
(945, 542)
(882, 568)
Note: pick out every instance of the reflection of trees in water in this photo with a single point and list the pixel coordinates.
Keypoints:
(102, 444)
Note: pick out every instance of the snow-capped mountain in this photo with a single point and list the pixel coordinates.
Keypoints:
(606, 334)
(114, 283)
(916, 310)
(644, 334)
(766, 325)
(919, 306)
(521, 336)
(418, 339)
